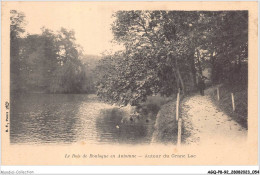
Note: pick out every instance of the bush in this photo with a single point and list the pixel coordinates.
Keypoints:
(152, 105)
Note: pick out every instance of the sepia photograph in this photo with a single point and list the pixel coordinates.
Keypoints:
(61, 93)
(87, 76)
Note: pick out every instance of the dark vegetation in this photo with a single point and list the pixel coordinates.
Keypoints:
(152, 105)
(50, 62)
(241, 102)
(168, 50)
(164, 51)
(240, 90)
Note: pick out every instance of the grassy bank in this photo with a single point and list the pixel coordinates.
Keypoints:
(241, 102)
(166, 125)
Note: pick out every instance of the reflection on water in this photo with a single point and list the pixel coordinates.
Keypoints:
(70, 118)
(112, 127)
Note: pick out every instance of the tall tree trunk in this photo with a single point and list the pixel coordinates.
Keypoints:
(179, 76)
(214, 75)
(177, 79)
(199, 62)
(193, 71)
(181, 81)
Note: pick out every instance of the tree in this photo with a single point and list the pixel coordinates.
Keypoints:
(46, 62)
(17, 24)
(69, 75)
(168, 34)
(226, 40)
(155, 52)
(166, 50)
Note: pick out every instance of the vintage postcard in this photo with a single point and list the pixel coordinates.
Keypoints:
(129, 83)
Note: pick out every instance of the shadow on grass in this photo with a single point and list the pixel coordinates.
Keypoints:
(240, 115)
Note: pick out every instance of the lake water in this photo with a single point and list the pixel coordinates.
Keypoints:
(71, 118)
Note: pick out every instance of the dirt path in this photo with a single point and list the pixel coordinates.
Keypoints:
(205, 124)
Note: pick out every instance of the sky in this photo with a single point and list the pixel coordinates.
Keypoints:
(92, 24)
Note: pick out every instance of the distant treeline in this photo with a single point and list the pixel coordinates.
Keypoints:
(168, 50)
(50, 62)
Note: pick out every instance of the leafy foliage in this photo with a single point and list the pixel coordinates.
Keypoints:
(168, 50)
(49, 62)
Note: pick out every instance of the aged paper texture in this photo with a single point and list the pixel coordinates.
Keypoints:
(69, 99)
